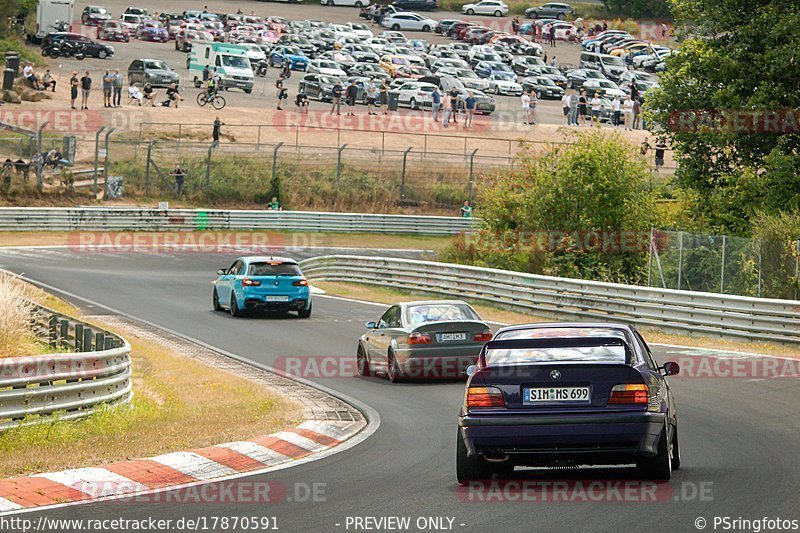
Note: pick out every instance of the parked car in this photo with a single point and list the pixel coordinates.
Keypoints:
(262, 284)
(184, 39)
(606, 88)
(361, 53)
(495, 70)
(319, 86)
(486, 7)
(470, 80)
(369, 70)
(94, 15)
(152, 30)
(415, 5)
(90, 48)
(444, 25)
(131, 22)
(153, 71)
(413, 338)
(408, 21)
(360, 29)
(550, 10)
(543, 87)
(577, 77)
(326, 68)
(289, 54)
(131, 10)
(567, 395)
(113, 30)
(522, 64)
(351, 3)
(554, 74)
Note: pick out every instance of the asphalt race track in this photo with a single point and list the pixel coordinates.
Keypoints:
(739, 437)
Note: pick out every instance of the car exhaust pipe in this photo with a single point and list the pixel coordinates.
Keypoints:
(495, 455)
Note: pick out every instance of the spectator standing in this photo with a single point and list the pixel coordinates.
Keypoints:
(469, 104)
(8, 167)
(466, 210)
(108, 88)
(206, 75)
(48, 82)
(455, 105)
(384, 96)
(436, 100)
(447, 109)
(216, 129)
(597, 105)
(615, 106)
(73, 89)
(583, 102)
(281, 92)
(350, 97)
(287, 70)
(573, 108)
(627, 108)
(526, 107)
(372, 94)
(86, 87)
(179, 180)
(634, 90)
(637, 111)
(565, 106)
(117, 100)
(660, 149)
(336, 98)
(552, 35)
(515, 26)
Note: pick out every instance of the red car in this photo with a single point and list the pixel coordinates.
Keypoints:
(456, 29)
(113, 30)
(475, 34)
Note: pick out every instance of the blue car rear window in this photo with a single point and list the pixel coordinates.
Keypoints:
(274, 269)
(521, 356)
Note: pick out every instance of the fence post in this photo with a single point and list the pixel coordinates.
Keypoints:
(680, 259)
(274, 158)
(105, 164)
(339, 167)
(78, 337)
(96, 156)
(258, 138)
(39, 135)
(471, 167)
(760, 252)
(296, 137)
(403, 177)
(208, 165)
(53, 327)
(64, 333)
(722, 271)
(147, 167)
(88, 335)
(38, 169)
(649, 250)
(99, 341)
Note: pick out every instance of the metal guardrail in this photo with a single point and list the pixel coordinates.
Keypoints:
(148, 219)
(722, 315)
(91, 368)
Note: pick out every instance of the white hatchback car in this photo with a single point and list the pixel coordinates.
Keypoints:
(486, 7)
(415, 94)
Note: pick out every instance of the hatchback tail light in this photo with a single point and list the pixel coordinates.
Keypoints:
(631, 393)
(247, 282)
(419, 338)
(486, 336)
(300, 283)
(485, 397)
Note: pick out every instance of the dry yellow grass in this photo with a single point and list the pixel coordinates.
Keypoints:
(179, 403)
(372, 293)
(16, 333)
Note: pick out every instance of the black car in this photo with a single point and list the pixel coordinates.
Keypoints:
(416, 5)
(303, 43)
(319, 86)
(369, 70)
(577, 77)
(542, 87)
(523, 64)
(361, 53)
(91, 48)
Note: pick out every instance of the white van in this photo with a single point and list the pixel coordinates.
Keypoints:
(231, 60)
(611, 66)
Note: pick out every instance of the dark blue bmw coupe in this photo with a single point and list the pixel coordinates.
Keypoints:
(563, 395)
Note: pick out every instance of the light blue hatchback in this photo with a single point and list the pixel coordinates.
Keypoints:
(262, 284)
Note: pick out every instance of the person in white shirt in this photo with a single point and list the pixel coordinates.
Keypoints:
(526, 108)
(616, 108)
(627, 107)
(135, 94)
(596, 106)
(565, 106)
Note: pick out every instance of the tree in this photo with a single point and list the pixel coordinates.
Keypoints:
(729, 101)
(580, 210)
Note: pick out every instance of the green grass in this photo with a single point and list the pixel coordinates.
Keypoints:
(26, 53)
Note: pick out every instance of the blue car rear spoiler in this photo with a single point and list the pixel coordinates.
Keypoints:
(562, 342)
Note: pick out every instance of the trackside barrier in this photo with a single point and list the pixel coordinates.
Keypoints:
(90, 368)
(119, 219)
(736, 317)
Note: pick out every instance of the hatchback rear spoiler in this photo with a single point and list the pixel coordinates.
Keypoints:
(559, 342)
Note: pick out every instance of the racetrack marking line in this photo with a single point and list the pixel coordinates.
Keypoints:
(324, 429)
(257, 452)
(299, 440)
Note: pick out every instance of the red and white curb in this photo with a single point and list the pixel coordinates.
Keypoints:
(174, 469)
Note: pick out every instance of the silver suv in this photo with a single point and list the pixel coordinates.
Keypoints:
(551, 10)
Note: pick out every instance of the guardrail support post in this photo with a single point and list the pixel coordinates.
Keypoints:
(274, 158)
(88, 334)
(64, 333)
(760, 251)
(339, 167)
(403, 177)
(96, 157)
(78, 337)
(108, 343)
(208, 166)
(53, 327)
(649, 254)
(147, 166)
(471, 175)
(105, 164)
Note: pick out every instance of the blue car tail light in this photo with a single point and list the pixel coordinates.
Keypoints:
(485, 398)
(631, 393)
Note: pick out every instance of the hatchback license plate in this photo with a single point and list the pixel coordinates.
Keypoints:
(447, 337)
(557, 394)
(276, 298)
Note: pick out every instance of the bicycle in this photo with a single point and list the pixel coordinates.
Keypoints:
(216, 100)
